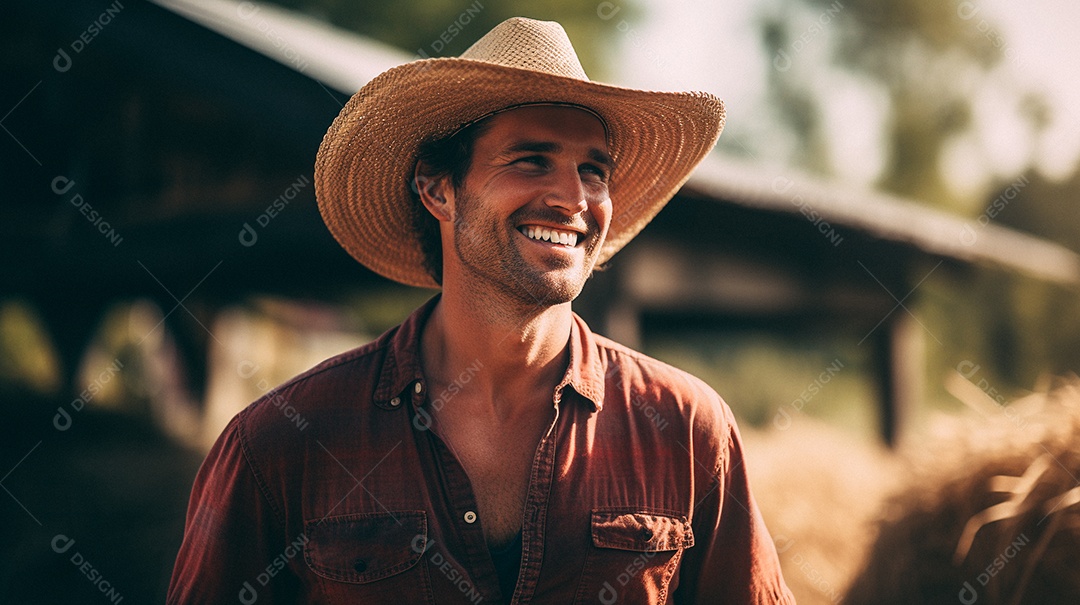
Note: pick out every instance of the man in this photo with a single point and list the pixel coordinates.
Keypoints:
(491, 448)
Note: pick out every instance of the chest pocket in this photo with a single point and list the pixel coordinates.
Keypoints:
(640, 531)
(634, 556)
(370, 556)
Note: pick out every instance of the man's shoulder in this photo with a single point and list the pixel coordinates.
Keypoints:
(682, 406)
(626, 364)
(306, 396)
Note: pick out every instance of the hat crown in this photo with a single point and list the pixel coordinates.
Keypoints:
(529, 44)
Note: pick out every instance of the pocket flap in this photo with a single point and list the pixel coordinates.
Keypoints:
(641, 531)
(365, 547)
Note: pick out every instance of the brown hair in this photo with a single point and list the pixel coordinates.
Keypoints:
(451, 157)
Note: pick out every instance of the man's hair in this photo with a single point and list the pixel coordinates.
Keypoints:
(449, 156)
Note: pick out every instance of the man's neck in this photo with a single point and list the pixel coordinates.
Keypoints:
(514, 354)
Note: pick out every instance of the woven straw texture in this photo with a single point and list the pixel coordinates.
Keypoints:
(365, 163)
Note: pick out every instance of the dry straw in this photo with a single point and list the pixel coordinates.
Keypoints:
(991, 512)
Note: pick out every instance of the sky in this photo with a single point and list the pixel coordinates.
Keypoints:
(716, 47)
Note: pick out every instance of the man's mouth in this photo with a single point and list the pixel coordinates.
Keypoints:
(547, 234)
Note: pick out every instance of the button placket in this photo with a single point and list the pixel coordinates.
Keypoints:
(541, 477)
(474, 554)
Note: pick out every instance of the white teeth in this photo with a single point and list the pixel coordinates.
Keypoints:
(566, 238)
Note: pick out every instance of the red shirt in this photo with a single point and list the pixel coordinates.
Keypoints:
(334, 489)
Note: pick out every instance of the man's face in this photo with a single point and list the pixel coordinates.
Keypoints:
(533, 210)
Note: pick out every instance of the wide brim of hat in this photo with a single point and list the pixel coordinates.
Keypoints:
(365, 163)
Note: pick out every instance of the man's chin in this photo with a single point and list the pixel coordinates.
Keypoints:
(562, 289)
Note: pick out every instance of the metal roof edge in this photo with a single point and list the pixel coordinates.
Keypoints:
(883, 216)
(341, 59)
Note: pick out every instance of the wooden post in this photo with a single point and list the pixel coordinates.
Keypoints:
(900, 356)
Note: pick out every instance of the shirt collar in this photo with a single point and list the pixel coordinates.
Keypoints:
(402, 376)
(401, 371)
(585, 373)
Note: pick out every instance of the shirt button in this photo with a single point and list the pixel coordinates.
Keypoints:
(470, 517)
(419, 388)
(360, 565)
(396, 401)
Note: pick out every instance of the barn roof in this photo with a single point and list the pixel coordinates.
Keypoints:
(884, 216)
(345, 61)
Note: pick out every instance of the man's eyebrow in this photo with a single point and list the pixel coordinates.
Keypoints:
(601, 158)
(595, 154)
(534, 147)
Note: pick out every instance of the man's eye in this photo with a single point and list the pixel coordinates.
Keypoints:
(595, 170)
(535, 160)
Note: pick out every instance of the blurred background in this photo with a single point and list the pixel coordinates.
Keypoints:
(877, 268)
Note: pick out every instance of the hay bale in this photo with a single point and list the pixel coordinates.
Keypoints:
(819, 490)
(990, 512)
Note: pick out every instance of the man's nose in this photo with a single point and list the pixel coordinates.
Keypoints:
(567, 192)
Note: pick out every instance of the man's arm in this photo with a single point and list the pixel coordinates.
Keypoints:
(733, 559)
(232, 534)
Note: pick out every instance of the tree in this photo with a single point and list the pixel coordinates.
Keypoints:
(445, 28)
(928, 56)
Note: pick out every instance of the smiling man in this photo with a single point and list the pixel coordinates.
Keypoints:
(491, 448)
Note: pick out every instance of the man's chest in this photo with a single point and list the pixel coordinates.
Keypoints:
(606, 511)
(498, 460)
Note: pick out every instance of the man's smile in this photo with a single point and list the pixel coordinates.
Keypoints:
(562, 237)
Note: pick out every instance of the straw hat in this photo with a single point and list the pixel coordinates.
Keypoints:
(366, 161)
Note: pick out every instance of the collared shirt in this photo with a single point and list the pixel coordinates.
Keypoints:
(334, 488)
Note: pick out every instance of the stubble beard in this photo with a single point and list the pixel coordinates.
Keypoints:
(486, 249)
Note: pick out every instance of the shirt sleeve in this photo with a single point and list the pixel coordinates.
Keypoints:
(232, 534)
(733, 559)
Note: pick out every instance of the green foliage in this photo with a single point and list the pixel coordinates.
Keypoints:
(771, 382)
(931, 57)
(26, 356)
(445, 28)
(1041, 206)
(927, 55)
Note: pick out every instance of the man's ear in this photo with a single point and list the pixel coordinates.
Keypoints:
(436, 192)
